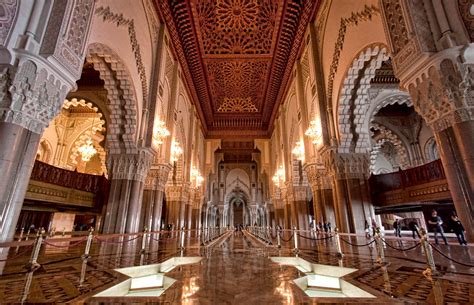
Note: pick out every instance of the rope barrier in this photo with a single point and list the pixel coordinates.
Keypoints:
(402, 249)
(116, 242)
(451, 259)
(356, 245)
(310, 238)
(17, 254)
(286, 240)
(65, 246)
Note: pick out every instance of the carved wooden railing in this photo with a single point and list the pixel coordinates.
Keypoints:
(97, 185)
(423, 183)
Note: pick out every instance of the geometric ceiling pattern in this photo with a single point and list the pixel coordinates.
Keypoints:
(237, 57)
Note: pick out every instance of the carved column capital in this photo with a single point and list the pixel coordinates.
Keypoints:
(157, 177)
(30, 97)
(177, 192)
(444, 94)
(347, 165)
(130, 166)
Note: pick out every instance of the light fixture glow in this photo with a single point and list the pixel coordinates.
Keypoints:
(160, 132)
(176, 151)
(314, 131)
(279, 176)
(87, 150)
(298, 151)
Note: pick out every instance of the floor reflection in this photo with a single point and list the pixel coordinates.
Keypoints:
(236, 270)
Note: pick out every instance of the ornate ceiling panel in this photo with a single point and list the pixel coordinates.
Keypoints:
(237, 56)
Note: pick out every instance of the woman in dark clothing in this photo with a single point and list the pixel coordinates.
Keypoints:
(458, 229)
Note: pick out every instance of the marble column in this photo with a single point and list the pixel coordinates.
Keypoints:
(456, 171)
(17, 157)
(341, 206)
(128, 173)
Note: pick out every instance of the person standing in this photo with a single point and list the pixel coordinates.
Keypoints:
(436, 224)
(458, 229)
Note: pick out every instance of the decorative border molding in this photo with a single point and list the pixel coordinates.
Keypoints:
(120, 20)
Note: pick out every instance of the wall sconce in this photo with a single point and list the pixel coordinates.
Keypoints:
(176, 151)
(314, 131)
(298, 151)
(160, 132)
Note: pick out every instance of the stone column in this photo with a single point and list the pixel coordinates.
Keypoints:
(127, 174)
(177, 196)
(154, 187)
(351, 198)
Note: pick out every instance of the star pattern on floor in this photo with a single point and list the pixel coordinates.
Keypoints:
(148, 280)
(323, 281)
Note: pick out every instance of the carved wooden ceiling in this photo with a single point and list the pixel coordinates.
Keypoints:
(237, 57)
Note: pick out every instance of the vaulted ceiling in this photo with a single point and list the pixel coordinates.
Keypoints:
(237, 57)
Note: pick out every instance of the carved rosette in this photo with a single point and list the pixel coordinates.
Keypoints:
(157, 177)
(130, 166)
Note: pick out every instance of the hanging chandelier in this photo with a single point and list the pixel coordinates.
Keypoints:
(298, 151)
(87, 150)
(160, 132)
(176, 151)
(314, 131)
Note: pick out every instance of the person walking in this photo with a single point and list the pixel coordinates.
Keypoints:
(458, 229)
(436, 224)
(397, 228)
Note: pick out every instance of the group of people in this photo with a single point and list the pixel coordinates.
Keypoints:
(435, 223)
(322, 226)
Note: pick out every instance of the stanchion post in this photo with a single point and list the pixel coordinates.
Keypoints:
(380, 250)
(295, 237)
(431, 270)
(27, 234)
(278, 237)
(90, 237)
(144, 239)
(21, 234)
(181, 246)
(338, 242)
(33, 264)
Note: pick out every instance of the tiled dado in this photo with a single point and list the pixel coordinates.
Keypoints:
(236, 271)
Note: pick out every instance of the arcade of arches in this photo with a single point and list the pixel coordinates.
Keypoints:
(124, 115)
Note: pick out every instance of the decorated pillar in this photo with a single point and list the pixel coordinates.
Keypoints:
(351, 199)
(176, 196)
(433, 56)
(127, 181)
(153, 195)
(35, 77)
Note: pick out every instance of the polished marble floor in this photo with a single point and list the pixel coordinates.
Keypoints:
(235, 270)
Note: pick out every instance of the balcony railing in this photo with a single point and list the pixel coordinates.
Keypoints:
(425, 182)
(98, 185)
